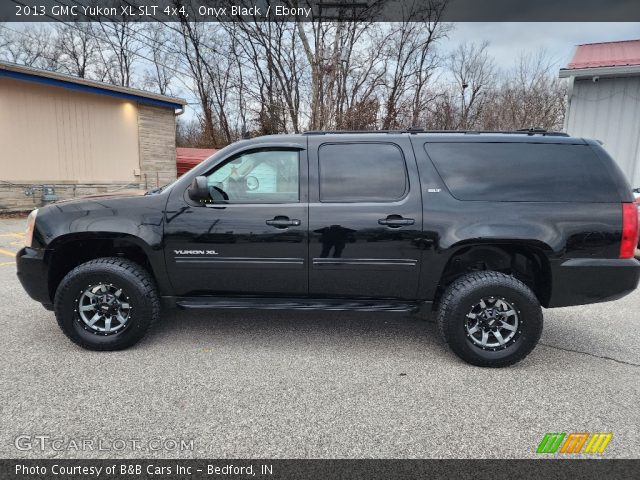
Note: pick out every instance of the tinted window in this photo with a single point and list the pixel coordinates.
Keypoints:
(361, 172)
(267, 176)
(525, 172)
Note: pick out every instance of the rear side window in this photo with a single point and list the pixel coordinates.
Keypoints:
(525, 172)
(361, 172)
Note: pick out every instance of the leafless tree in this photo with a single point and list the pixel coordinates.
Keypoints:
(118, 50)
(76, 46)
(162, 45)
(269, 54)
(330, 47)
(410, 60)
(28, 45)
(473, 73)
(191, 44)
(209, 53)
(189, 133)
(530, 96)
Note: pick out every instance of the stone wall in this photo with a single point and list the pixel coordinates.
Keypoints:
(157, 140)
(27, 196)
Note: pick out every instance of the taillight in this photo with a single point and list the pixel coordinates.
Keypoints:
(629, 241)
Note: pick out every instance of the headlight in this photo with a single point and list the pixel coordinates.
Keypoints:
(31, 223)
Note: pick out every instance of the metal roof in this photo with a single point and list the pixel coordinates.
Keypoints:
(21, 72)
(604, 59)
(187, 158)
(197, 154)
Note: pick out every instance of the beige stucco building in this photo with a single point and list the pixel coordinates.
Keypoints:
(80, 137)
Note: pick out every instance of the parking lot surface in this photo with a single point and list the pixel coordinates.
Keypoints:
(245, 384)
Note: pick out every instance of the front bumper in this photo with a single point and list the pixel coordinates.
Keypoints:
(580, 281)
(33, 274)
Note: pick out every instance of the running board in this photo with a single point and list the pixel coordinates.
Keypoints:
(297, 304)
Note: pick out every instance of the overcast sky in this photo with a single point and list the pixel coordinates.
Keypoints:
(508, 40)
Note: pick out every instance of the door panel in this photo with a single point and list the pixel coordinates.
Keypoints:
(364, 248)
(243, 248)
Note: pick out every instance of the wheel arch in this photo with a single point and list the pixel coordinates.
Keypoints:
(68, 251)
(526, 261)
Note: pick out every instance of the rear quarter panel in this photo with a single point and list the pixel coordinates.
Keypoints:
(557, 230)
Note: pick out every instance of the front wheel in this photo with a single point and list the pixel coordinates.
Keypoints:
(106, 304)
(490, 319)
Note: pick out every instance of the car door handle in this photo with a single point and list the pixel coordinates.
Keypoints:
(283, 222)
(396, 221)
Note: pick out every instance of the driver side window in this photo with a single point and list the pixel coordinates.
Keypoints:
(263, 176)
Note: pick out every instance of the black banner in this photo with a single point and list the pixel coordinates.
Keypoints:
(318, 469)
(316, 10)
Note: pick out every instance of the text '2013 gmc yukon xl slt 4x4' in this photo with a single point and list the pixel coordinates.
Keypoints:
(485, 228)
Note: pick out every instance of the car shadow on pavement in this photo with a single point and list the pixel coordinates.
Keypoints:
(296, 329)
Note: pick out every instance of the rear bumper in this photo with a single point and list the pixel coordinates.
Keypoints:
(580, 281)
(33, 274)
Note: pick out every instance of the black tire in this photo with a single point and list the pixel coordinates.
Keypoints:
(463, 295)
(132, 280)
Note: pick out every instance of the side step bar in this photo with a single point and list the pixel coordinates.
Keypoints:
(297, 304)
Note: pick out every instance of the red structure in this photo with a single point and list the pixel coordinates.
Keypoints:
(187, 158)
(607, 54)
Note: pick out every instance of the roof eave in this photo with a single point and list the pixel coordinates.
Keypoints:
(21, 72)
(614, 71)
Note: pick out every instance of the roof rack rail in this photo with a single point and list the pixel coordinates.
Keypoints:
(415, 130)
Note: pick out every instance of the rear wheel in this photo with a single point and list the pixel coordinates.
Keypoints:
(106, 304)
(490, 319)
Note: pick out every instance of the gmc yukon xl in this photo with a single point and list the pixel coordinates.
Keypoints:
(483, 228)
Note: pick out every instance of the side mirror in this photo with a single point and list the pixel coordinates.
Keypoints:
(199, 189)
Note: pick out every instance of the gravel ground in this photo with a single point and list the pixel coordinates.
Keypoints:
(308, 384)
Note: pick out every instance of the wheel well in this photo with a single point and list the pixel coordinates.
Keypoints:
(71, 254)
(527, 264)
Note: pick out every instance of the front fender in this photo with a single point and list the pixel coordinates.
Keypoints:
(136, 221)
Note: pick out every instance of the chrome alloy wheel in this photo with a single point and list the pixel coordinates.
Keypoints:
(103, 309)
(493, 323)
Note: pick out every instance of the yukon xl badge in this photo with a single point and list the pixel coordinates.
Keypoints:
(195, 252)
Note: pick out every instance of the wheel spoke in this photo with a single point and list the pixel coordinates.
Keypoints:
(473, 330)
(498, 336)
(482, 304)
(87, 308)
(485, 338)
(107, 324)
(94, 319)
(125, 306)
(121, 319)
(509, 313)
(507, 326)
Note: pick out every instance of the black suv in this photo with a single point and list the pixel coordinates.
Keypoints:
(484, 228)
